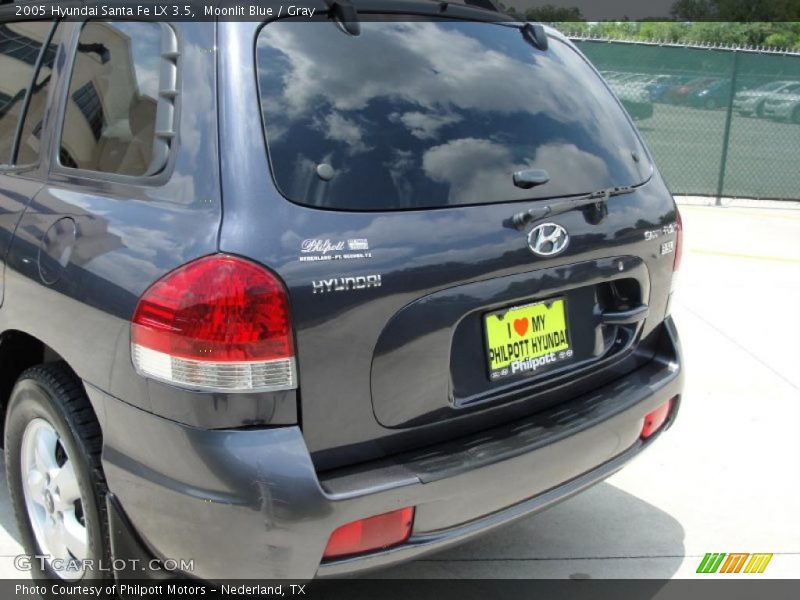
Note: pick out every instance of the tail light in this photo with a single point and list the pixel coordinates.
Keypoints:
(372, 533)
(654, 420)
(219, 323)
(678, 240)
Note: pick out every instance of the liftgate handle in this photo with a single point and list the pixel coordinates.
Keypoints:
(625, 317)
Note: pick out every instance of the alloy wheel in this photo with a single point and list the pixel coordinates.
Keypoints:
(53, 499)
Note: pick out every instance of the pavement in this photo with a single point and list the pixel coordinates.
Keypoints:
(724, 478)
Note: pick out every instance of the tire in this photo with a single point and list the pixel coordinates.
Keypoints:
(759, 112)
(796, 116)
(711, 104)
(50, 423)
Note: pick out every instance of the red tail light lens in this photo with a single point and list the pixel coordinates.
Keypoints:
(678, 241)
(654, 420)
(373, 533)
(217, 323)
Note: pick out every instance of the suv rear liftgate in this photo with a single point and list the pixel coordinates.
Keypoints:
(404, 175)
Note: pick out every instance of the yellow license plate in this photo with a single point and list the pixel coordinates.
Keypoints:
(527, 339)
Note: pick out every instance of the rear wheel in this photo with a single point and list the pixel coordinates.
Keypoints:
(53, 444)
(796, 116)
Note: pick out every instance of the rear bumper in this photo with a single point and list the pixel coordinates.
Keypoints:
(423, 543)
(249, 504)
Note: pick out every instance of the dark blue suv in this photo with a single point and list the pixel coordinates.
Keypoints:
(309, 297)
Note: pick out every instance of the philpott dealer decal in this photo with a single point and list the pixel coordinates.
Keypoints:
(323, 249)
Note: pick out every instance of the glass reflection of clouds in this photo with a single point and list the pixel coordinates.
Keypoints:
(435, 113)
(145, 42)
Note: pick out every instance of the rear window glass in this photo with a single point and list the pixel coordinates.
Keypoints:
(430, 114)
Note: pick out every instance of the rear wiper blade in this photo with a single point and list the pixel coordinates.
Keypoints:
(596, 199)
(609, 192)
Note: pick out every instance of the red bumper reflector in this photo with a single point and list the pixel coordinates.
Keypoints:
(372, 533)
(655, 419)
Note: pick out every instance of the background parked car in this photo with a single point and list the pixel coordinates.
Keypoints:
(711, 96)
(631, 89)
(658, 89)
(751, 102)
(784, 105)
(677, 94)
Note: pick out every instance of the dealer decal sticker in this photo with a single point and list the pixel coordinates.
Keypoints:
(323, 249)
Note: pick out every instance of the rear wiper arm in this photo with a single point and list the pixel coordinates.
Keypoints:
(597, 199)
(345, 15)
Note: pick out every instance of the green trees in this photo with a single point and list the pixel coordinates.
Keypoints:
(736, 10)
(781, 35)
(772, 23)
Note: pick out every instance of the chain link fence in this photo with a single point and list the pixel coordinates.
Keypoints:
(720, 121)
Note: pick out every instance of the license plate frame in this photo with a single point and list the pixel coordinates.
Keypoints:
(527, 339)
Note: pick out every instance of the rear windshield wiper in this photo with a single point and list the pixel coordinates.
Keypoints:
(597, 200)
(345, 15)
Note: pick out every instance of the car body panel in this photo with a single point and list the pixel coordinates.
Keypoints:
(128, 234)
(16, 192)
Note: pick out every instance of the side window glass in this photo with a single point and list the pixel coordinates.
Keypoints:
(31, 134)
(20, 44)
(110, 120)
